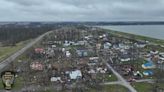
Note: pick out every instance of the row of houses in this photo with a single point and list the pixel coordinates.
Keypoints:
(69, 43)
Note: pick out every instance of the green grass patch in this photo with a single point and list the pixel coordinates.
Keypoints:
(109, 88)
(8, 50)
(18, 83)
(146, 87)
(143, 87)
(1, 84)
(110, 77)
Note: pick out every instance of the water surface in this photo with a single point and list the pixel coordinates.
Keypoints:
(154, 31)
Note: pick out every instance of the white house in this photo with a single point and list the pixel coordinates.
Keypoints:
(75, 74)
(123, 46)
(54, 79)
(53, 46)
(68, 54)
(91, 71)
(68, 43)
(107, 45)
(88, 37)
(81, 42)
(63, 49)
(101, 70)
(140, 44)
(93, 58)
(125, 59)
(154, 52)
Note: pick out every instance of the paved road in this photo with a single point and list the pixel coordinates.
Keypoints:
(145, 80)
(11, 58)
(120, 78)
(119, 82)
(111, 83)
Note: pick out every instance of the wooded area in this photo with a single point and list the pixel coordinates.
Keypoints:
(12, 34)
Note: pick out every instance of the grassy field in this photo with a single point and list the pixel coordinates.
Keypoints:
(8, 50)
(110, 88)
(143, 87)
(112, 78)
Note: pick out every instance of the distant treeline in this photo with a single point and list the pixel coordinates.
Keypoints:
(12, 34)
(124, 23)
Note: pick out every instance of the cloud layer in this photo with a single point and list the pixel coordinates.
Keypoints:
(81, 10)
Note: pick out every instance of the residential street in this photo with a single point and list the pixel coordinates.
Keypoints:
(123, 81)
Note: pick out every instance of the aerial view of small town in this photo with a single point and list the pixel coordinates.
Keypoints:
(80, 58)
(81, 45)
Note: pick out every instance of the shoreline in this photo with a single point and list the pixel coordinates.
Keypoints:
(155, 41)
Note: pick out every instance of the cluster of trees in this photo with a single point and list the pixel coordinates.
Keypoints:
(12, 34)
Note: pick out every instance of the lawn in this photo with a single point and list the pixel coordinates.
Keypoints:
(161, 85)
(143, 87)
(18, 83)
(146, 87)
(8, 50)
(1, 84)
(110, 88)
(111, 78)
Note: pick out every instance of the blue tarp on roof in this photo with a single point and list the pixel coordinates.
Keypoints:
(148, 64)
(148, 72)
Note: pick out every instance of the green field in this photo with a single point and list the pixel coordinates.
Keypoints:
(112, 78)
(8, 50)
(142, 87)
(110, 88)
(145, 87)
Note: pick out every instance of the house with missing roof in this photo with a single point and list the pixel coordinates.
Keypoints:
(68, 54)
(140, 44)
(125, 57)
(76, 74)
(82, 52)
(107, 45)
(55, 79)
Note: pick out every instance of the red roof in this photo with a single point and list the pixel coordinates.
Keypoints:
(39, 50)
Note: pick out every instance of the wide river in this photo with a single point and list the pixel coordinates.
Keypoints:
(154, 31)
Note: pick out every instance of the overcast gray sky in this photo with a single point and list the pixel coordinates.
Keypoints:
(81, 10)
